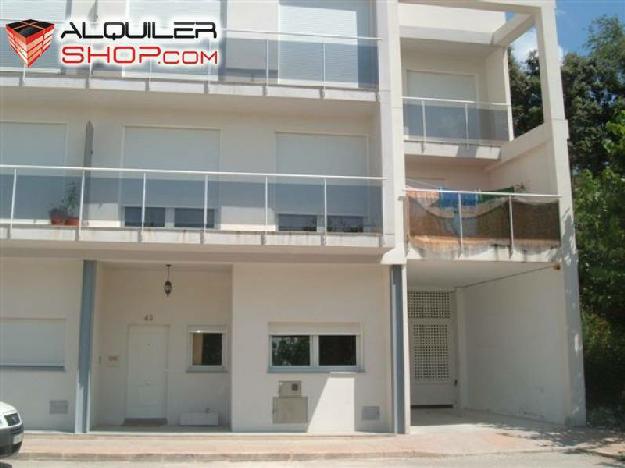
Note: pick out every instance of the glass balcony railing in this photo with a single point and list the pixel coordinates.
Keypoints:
(459, 223)
(244, 57)
(187, 200)
(437, 120)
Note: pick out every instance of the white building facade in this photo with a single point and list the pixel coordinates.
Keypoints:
(348, 223)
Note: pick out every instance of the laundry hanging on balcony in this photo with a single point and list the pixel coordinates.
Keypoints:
(442, 222)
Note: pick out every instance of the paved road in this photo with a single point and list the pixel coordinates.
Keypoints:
(555, 460)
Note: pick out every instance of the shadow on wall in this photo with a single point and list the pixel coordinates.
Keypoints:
(336, 404)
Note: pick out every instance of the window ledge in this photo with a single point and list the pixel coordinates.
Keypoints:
(315, 370)
(32, 367)
(207, 370)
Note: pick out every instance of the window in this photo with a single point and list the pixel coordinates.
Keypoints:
(154, 217)
(32, 342)
(193, 218)
(337, 350)
(306, 223)
(315, 352)
(207, 349)
(291, 350)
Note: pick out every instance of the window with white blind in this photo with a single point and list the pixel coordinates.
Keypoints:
(32, 342)
(337, 60)
(434, 85)
(209, 10)
(46, 10)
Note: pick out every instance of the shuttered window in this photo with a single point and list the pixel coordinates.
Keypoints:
(32, 342)
(441, 86)
(52, 11)
(208, 10)
(333, 61)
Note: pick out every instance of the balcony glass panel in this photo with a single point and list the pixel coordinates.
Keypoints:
(47, 196)
(297, 203)
(536, 223)
(128, 199)
(449, 121)
(6, 190)
(434, 221)
(169, 192)
(485, 221)
(108, 194)
(240, 200)
(354, 206)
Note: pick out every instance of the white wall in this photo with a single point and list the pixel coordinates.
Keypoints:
(463, 19)
(127, 295)
(310, 294)
(514, 334)
(42, 289)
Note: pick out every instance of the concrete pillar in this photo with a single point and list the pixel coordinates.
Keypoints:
(83, 376)
(554, 118)
(399, 357)
(391, 125)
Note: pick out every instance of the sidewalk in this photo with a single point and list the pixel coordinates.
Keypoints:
(467, 435)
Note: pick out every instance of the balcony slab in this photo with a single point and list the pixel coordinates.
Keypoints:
(481, 151)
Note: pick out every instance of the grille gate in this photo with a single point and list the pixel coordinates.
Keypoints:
(430, 315)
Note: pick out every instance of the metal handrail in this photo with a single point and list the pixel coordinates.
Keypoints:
(183, 172)
(455, 101)
(473, 192)
(322, 36)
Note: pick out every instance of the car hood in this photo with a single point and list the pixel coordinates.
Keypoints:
(6, 408)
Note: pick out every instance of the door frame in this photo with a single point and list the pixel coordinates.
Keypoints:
(165, 367)
(454, 354)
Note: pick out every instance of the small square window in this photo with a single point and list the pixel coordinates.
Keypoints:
(337, 350)
(193, 218)
(290, 350)
(154, 217)
(207, 349)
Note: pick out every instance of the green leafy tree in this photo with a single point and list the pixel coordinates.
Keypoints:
(527, 110)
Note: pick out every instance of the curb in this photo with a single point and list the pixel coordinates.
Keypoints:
(259, 457)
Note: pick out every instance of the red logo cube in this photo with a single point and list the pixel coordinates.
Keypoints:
(30, 39)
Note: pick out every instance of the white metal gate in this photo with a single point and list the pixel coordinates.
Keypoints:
(431, 321)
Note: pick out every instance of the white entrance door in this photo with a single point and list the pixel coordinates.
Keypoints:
(432, 336)
(147, 378)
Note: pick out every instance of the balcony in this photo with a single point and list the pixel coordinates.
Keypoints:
(189, 207)
(482, 225)
(268, 60)
(452, 121)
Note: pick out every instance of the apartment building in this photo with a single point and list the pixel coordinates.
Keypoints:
(334, 225)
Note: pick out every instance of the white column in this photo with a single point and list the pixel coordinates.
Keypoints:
(555, 120)
(391, 125)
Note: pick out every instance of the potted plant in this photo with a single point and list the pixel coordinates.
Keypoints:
(58, 215)
(70, 204)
